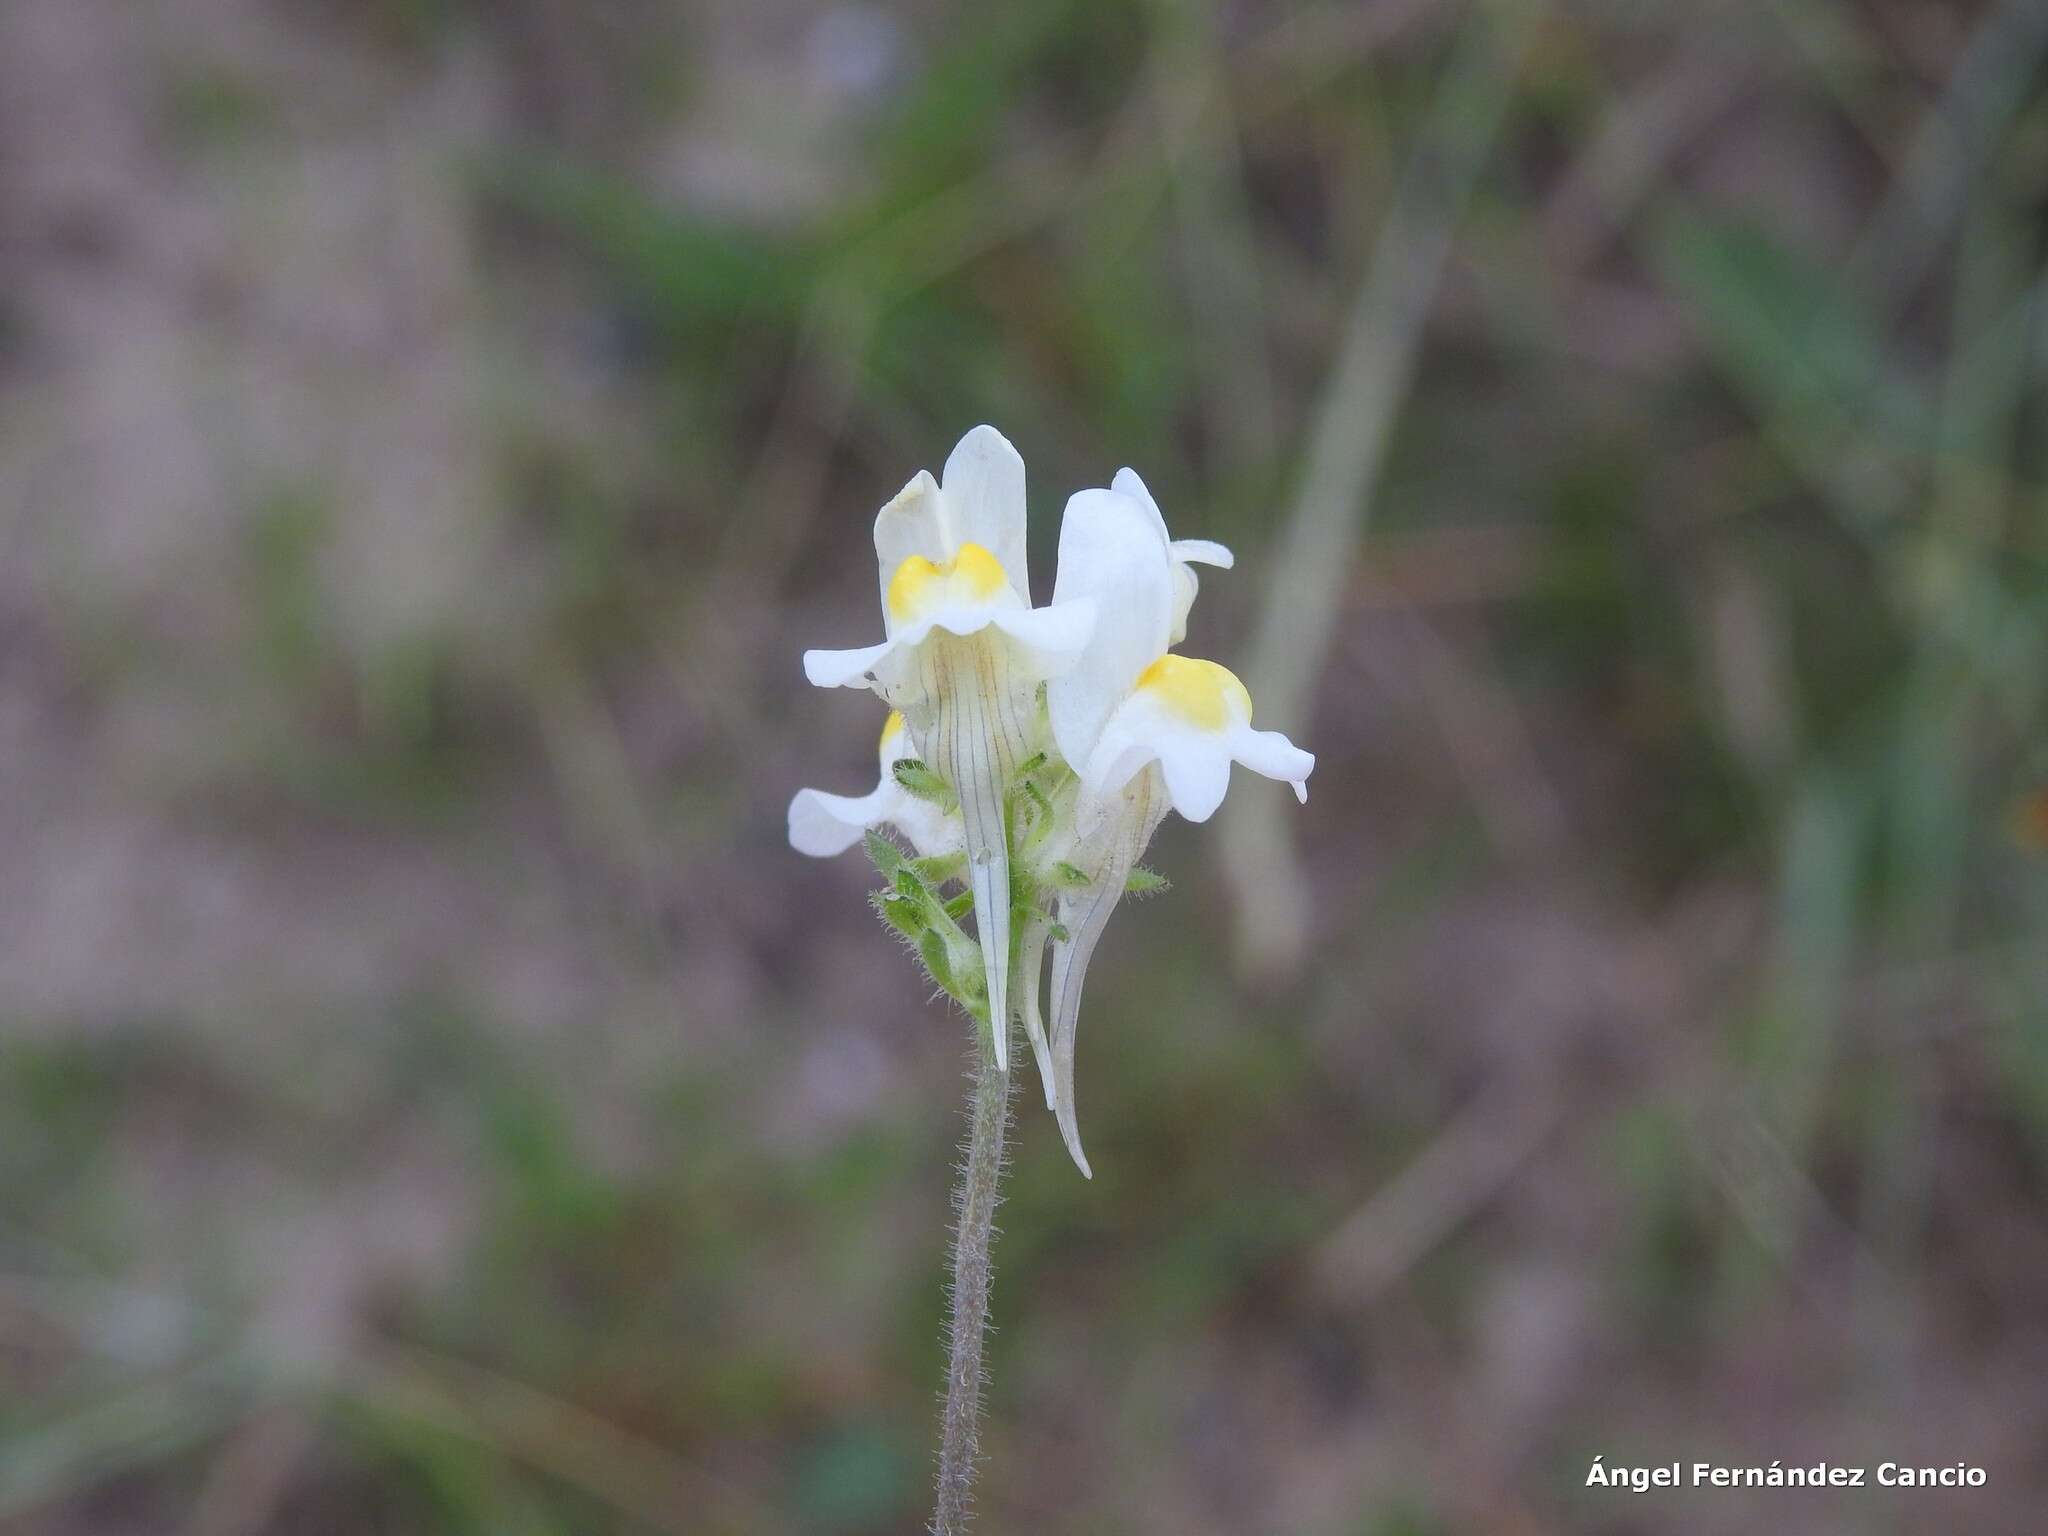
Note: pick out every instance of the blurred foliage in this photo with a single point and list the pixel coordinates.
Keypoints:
(434, 1098)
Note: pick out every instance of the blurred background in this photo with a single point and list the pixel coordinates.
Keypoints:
(433, 1097)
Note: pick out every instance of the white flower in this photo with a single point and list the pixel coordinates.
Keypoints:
(1129, 703)
(1144, 729)
(823, 825)
(951, 556)
(1194, 719)
(1185, 553)
(963, 656)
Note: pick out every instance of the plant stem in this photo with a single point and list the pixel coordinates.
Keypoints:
(975, 1201)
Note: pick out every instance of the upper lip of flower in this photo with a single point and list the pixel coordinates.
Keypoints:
(951, 558)
(1184, 553)
(1111, 555)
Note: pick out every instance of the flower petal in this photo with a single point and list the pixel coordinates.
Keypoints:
(1186, 554)
(955, 619)
(1128, 742)
(823, 825)
(1047, 641)
(1186, 587)
(930, 830)
(894, 745)
(1126, 482)
(910, 524)
(1180, 552)
(984, 501)
(1197, 771)
(1194, 718)
(1109, 555)
(1052, 639)
(1202, 552)
(1272, 754)
(845, 669)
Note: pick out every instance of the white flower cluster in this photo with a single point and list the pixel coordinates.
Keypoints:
(1030, 753)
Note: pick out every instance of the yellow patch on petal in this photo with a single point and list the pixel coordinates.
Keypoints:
(892, 732)
(1200, 692)
(971, 576)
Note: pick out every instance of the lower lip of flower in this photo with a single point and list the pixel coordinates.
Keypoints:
(1199, 692)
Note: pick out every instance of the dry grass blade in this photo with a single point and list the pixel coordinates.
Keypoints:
(1990, 83)
(1368, 382)
(1468, 1164)
(631, 1475)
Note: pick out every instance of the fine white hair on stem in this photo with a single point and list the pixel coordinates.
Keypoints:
(974, 1203)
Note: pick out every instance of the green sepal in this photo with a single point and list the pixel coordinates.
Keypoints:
(950, 957)
(884, 853)
(1145, 882)
(937, 869)
(963, 982)
(1038, 801)
(1043, 819)
(910, 886)
(931, 949)
(926, 785)
(902, 914)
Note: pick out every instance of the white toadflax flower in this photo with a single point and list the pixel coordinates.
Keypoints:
(1128, 703)
(964, 655)
(1146, 730)
(823, 825)
(1033, 752)
(1030, 755)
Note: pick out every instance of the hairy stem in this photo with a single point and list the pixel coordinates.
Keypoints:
(989, 1114)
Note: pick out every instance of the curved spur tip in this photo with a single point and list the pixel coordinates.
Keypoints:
(1080, 1157)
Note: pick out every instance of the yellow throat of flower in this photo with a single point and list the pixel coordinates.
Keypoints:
(1199, 692)
(891, 729)
(920, 586)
